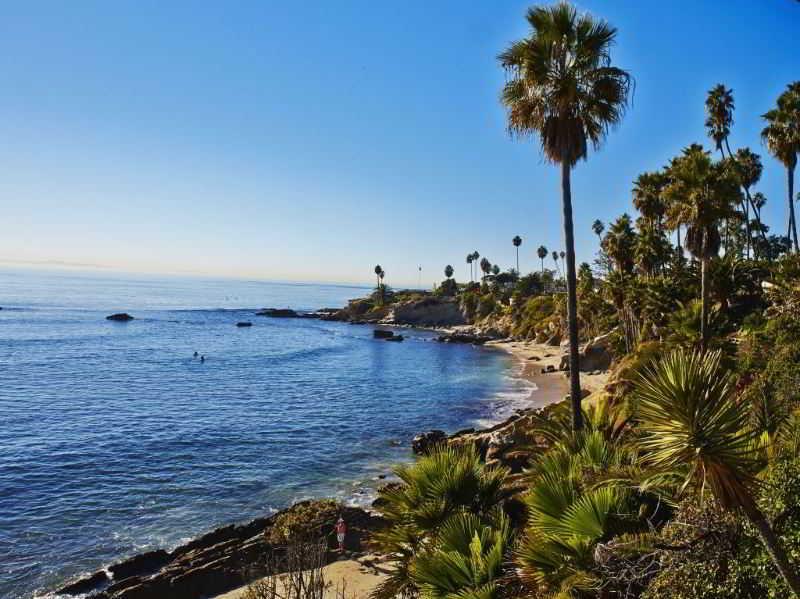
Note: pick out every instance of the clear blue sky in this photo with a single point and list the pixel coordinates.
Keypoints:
(311, 140)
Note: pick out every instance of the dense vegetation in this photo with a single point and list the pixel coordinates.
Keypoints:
(682, 478)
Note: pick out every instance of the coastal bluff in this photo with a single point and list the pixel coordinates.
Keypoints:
(420, 311)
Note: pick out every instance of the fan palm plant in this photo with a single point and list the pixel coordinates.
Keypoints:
(542, 253)
(782, 138)
(447, 482)
(563, 88)
(448, 271)
(579, 496)
(692, 423)
(465, 560)
(701, 195)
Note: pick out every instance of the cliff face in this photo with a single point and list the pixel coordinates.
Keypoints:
(430, 311)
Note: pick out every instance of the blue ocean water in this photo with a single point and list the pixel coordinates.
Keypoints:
(115, 440)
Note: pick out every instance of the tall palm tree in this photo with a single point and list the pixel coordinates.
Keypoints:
(475, 256)
(517, 241)
(486, 266)
(749, 167)
(469, 261)
(702, 194)
(563, 88)
(692, 423)
(378, 271)
(647, 197)
(719, 108)
(542, 253)
(782, 138)
(555, 259)
(598, 227)
(448, 271)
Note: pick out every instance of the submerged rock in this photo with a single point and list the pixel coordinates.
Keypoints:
(382, 334)
(278, 313)
(244, 323)
(120, 317)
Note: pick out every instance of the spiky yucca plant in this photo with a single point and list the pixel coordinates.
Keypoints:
(693, 424)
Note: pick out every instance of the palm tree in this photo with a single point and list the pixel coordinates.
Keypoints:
(517, 241)
(749, 167)
(702, 194)
(619, 244)
(486, 266)
(692, 423)
(719, 108)
(598, 227)
(445, 484)
(448, 271)
(378, 271)
(465, 560)
(782, 138)
(563, 88)
(542, 253)
(555, 259)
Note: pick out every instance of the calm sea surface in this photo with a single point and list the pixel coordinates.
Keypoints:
(115, 440)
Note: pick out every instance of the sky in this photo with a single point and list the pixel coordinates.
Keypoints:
(312, 140)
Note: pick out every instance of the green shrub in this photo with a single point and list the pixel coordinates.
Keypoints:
(305, 521)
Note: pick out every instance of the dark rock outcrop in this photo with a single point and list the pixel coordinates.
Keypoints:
(84, 584)
(463, 338)
(244, 323)
(214, 563)
(382, 334)
(423, 443)
(120, 317)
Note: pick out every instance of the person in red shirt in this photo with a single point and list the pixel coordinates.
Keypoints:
(341, 531)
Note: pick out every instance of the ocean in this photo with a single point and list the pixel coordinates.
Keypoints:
(115, 439)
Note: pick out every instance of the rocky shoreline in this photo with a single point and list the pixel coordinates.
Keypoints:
(229, 557)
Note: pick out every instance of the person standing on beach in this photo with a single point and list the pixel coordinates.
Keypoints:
(341, 531)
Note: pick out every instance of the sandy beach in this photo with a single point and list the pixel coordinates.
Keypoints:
(552, 386)
(354, 578)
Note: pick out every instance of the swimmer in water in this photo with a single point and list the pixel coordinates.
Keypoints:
(195, 354)
(202, 358)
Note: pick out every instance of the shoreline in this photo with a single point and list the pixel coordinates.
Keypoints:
(143, 568)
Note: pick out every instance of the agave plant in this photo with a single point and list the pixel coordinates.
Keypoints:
(693, 424)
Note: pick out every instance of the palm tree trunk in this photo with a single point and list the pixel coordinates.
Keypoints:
(776, 552)
(680, 249)
(517, 259)
(704, 301)
(792, 221)
(572, 300)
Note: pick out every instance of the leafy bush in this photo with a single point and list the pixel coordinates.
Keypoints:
(305, 521)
